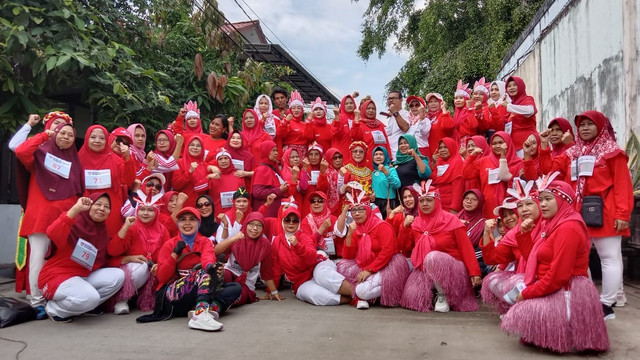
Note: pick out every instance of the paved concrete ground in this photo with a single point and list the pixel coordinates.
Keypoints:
(293, 329)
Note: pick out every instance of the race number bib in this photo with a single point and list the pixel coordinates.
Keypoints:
(494, 176)
(84, 254)
(97, 179)
(280, 179)
(574, 170)
(226, 199)
(238, 164)
(57, 166)
(586, 163)
(508, 127)
(270, 128)
(378, 137)
(314, 177)
(442, 169)
(329, 246)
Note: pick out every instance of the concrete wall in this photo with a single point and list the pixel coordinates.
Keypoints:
(582, 55)
(9, 218)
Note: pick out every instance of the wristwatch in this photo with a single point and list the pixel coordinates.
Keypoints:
(396, 114)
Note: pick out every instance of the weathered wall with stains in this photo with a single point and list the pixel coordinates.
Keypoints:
(585, 57)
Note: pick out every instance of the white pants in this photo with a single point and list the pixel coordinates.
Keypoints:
(370, 288)
(38, 247)
(139, 273)
(78, 295)
(610, 253)
(323, 288)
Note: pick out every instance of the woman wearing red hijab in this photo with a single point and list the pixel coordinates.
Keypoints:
(409, 206)
(523, 225)
(441, 122)
(315, 166)
(443, 258)
(371, 259)
(294, 132)
(342, 125)
(521, 112)
(368, 129)
(188, 121)
(470, 144)
(557, 306)
(107, 171)
(294, 175)
(320, 129)
(250, 256)
(76, 280)
(598, 167)
(55, 184)
(463, 116)
(332, 180)
(192, 177)
(268, 180)
(139, 136)
(561, 136)
(241, 157)
(253, 135)
(166, 154)
(169, 205)
(447, 175)
(135, 251)
(531, 151)
(494, 172)
(222, 186)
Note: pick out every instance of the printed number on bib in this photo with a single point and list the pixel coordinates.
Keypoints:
(97, 179)
(84, 254)
(57, 166)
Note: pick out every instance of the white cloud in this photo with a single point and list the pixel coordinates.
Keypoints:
(324, 36)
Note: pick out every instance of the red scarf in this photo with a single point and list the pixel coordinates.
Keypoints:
(91, 160)
(565, 126)
(172, 144)
(251, 135)
(199, 175)
(316, 219)
(480, 142)
(365, 255)
(454, 161)
(91, 231)
(565, 213)
(603, 147)
(435, 223)
(250, 252)
(344, 115)
(371, 122)
(53, 186)
(137, 152)
(474, 219)
(150, 233)
(333, 194)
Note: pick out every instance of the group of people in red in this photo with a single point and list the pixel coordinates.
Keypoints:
(422, 209)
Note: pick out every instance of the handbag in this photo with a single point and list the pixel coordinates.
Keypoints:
(592, 208)
(14, 312)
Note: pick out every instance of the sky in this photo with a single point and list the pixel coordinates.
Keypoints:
(324, 36)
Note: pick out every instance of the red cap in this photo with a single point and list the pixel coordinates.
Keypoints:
(413, 97)
(189, 210)
(122, 132)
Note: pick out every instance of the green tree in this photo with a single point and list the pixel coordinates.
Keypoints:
(448, 39)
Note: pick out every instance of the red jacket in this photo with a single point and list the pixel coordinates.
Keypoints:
(564, 254)
(455, 243)
(441, 128)
(383, 245)
(60, 267)
(201, 253)
(296, 262)
(224, 188)
(132, 244)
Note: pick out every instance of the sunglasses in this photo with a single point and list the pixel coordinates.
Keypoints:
(317, 201)
(204, 204)
(336, 157)
(153, 184)
(291, 220)
(121, 141)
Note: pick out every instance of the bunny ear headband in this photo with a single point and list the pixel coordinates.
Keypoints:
(146, 199)
(425, 189)
(462, 90)
(544, 184)
(291, 201)
(522, 190)
(357, 195)
(192, 109)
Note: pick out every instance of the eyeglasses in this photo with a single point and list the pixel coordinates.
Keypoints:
(291, 220)
(393, 98)
(204, 204)
(317, 201)
(357, 210)
(194, 145)
(162, 141)
(121, 141)
(357, 152)
(255, 226)
(149, 184)
(414, 105)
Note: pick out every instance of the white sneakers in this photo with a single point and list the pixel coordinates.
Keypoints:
(362, 305)
(204, 319)
(441, 304)
(121, 308)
